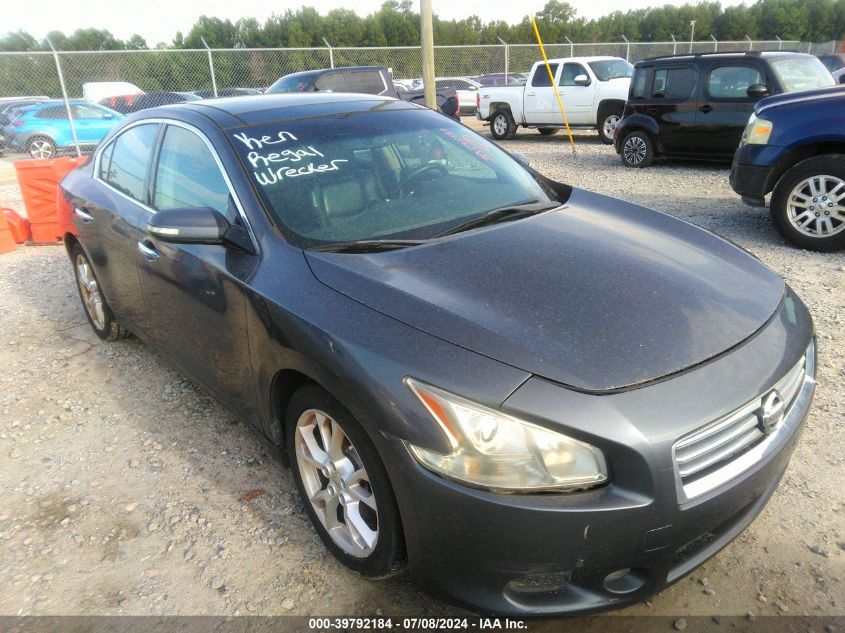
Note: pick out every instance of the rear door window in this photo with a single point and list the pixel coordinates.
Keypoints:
(335, 82)
(128, 157)
(367, 81)
(541, 76)
(638, 86)
(732, 81)
(674, 83)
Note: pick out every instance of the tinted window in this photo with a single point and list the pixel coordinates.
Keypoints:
(187, 174)
(541, 76)
(130, 154)
(638, 90)
(105, 161)
(570, 72)
(331, 81)
(54, 112)
(368, 82)
(674, 83)
(832, 62)
(731, 82)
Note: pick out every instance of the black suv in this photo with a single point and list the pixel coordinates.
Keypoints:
(696, 106)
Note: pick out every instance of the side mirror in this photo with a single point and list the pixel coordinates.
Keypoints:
(201, 225)
(521, 158)
(757, 91)
(582, 80)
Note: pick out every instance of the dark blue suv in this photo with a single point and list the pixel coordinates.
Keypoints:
(794, 147)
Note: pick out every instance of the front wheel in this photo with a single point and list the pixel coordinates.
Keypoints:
(607, 125)
(808, 204)
(502, 125)
(343, 484)
(637, 149)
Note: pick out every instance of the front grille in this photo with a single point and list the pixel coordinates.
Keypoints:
(717, 444)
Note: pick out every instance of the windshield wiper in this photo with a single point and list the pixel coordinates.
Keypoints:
(502, 214)
(367, 246)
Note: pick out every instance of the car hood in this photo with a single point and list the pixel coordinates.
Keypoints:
(599, 295)
(832, 94)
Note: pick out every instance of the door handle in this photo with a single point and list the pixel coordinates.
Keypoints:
(148, 251)
(706, 108)
(529, 94)
(83, 215)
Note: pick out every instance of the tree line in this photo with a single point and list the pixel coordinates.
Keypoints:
(396, 24)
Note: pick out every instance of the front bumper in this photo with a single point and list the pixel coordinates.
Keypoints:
(750, 181)
(552, 554)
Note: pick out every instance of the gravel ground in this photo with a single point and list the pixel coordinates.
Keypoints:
(129, 491)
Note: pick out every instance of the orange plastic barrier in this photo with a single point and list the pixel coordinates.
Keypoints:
(38, 179)
(18, 226)
(7, 242)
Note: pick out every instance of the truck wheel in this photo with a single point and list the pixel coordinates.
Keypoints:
(608, 120)
(637, 149)
(502, 125)
(808, 204)
(548, 131)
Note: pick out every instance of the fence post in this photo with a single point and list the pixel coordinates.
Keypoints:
(331, 53)
(750, 43)
(780, 42)
(715, 43)
(64, 95)
(627, 48)
(210, 67)
(571, 46)
(674, 44)
(507, 55)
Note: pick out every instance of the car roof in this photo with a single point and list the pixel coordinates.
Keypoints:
(721, 54)
(229, 112)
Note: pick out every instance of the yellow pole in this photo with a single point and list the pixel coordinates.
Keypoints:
(554, 85)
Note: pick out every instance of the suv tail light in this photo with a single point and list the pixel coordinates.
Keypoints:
(17, 123)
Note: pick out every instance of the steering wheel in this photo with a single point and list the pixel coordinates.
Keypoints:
(413, 175)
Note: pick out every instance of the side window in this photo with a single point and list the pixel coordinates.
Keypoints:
(570, 72)
(638, 87)
(88, 112)
(55, 112)
(331, 81)
(368, 82)
(540, 79)
(674, 83)
(731, 82)
(105, 161)
(130, 155)
(187, 174)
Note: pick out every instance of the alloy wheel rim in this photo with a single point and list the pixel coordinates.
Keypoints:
(40, 149)
(91, 297)
(500, 125)
(610, 124)
(336, 483)
(815, 206)
(634, 150)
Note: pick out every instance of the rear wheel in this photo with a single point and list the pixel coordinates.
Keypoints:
(808, 203)
(343, 484)
(41, 147)
(502, 125)
(608, 120)
(637, 149)
(97, 311)
(548, 131)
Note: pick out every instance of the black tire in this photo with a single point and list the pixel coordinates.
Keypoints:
(640, 149)
(388, 555)
(41, 147)
(548, 131)
(104, 325)
(608, 120)
(818, 209)
(502, 125)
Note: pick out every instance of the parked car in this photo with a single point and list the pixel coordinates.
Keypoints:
(374, 80)
(465, 88)
(794, 147)
(97, 91)
(696, 106)
(126, 104)
(227, 92)
(593, 91)
(500, 79)
(8, 108)
(430, 330)
(833, 61)
(43, 129)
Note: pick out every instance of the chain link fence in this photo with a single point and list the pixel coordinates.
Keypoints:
(219, 71)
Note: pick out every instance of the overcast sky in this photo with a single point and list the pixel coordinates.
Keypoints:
(158, 20)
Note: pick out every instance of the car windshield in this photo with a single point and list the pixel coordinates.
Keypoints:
(297, 82)
(801, 73)
(398, 173)
(607, 69)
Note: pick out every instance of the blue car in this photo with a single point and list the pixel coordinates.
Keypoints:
(43, 130)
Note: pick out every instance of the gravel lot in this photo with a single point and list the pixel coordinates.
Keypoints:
(129, 491)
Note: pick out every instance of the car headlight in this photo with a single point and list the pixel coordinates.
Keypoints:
(490, 449)
(757, 131)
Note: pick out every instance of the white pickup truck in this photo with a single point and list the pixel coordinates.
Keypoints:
(593, 91)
